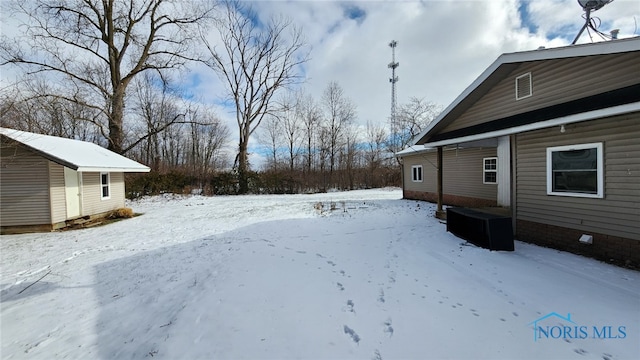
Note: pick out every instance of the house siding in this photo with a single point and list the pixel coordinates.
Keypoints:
(91, 193)
(615, 215)
(25, 187)
(462, 177)
(57, 193)
(554, 82)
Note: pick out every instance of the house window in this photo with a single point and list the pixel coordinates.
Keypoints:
(575, 170)
(416, 173)
(490, 170)
(105, 186)
(524, 87)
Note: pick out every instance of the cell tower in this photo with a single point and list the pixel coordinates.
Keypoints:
(393, 80)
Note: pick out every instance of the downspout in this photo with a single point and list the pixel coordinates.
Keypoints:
(401, 162)
(440, 214)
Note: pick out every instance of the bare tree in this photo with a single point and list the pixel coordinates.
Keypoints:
(270, 135)
(310, 115)
(339, 112)
(290, 123)
(94, 49)
(411, 119)
(376, 137)
(208, 137)
(255, 61)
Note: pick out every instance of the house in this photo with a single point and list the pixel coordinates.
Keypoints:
(46, 181)
(550, 136)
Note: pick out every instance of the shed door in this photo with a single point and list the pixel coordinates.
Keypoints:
(72, 192)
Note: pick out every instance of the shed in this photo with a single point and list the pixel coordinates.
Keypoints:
(48, 181)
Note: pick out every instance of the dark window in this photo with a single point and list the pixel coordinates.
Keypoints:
(416, 173)
(104, 183)
(575, 170)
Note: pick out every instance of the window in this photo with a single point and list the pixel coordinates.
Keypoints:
(416, 173)
(490, 170)
(524, 87)
(575, 170)
(105, 186)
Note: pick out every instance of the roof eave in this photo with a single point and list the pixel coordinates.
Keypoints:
(591, 115)
(113, 169)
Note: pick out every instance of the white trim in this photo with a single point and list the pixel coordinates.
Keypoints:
(484, 170)
(530, 90)
(112, 170)
(414, 173)
(599, 170)
(590, 115)
(102, 197)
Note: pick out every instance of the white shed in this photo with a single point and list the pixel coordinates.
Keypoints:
(46, 181)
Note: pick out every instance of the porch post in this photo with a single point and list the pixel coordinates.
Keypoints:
(440, 214)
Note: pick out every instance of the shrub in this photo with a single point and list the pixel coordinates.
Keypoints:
(121, 213)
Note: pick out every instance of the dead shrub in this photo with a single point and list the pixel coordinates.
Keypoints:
(121, 213)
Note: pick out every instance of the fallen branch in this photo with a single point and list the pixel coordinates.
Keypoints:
(33, 283)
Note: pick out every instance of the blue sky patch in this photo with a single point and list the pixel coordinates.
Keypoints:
(354, 12)
(525, 17)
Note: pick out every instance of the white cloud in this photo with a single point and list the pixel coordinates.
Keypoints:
(442, 45)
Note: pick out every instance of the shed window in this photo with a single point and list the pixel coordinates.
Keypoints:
(490, 170)
(575, 170)
(416, 173)
(524, 87)
(105, 185)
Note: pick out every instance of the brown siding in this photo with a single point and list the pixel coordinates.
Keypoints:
(24, 183)
(622, 251)
(554, 82)
(57, 193)
(462, 176)
(91, 193)
(618, 213)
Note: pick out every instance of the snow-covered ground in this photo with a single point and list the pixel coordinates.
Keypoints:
(255, 277)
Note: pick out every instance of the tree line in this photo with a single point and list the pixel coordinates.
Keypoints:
(108, 72)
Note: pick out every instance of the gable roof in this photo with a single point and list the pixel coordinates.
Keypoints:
(78, 155)
(504, 65)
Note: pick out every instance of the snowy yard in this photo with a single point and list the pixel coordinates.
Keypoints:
(255, 277)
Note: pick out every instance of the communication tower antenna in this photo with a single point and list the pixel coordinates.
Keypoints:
(393, 80)
(588, 6)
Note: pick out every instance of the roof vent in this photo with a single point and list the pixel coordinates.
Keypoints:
(523, 86)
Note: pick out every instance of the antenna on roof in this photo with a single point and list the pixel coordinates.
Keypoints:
(588, 6)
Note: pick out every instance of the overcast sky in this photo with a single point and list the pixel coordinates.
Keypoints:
(443, 45)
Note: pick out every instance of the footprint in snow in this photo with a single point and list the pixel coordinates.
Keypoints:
(350, 306)
(376, 355)
(388, 329)
(381, 296)
(354, 336)
(580, 351)
(340, 286)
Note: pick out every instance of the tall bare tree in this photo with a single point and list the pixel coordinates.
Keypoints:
(270, 135)
(309, 113)
(291, 126)
(94, 48)
(339, 112)
(255, 60)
